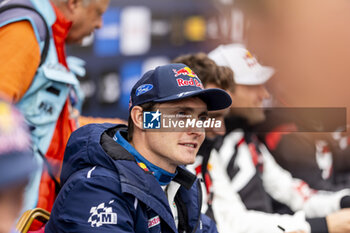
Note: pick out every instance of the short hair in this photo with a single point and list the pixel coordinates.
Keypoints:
(149, 106)
(207, 70)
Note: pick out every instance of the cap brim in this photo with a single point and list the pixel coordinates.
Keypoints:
(267, 73)
(258, 78)
(216, 99)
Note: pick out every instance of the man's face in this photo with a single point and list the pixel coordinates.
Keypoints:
(247, 102)
(86, 19)
(11, 200)
(212, 133)
(172, 148)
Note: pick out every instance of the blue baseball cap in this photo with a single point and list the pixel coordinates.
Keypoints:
(175, 82)
(16, 155)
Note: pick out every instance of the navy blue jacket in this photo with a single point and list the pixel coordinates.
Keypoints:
(104, 190)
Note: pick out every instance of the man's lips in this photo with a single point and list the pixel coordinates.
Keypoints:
(189, 144)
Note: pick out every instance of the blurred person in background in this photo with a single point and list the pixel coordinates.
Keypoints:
(212, 76)
(35, 75)
(306, 42)
(16, 165)
(311, 74)
(307, 147)
(245, 177)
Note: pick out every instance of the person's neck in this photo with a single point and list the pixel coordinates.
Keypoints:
(163, 174)
(151, 157)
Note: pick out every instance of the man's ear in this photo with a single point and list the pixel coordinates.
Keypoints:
(137, 117)
(74, 4)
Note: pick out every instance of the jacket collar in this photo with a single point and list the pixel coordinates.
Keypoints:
(60, 30)
(163, 177)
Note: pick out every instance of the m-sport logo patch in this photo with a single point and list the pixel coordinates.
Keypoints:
(102, 214)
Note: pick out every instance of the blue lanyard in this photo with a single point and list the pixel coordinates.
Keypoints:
(160, 174)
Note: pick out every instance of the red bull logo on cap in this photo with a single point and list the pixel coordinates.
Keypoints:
(184, 71)
(194, 81)
(191, 82)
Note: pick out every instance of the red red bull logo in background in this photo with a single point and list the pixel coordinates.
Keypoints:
(185, 71)
(250, 59)
(191, 82)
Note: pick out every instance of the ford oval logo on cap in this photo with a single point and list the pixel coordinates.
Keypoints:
(143, 89)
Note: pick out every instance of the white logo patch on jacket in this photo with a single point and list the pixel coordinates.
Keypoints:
(153, 221)
(102, 214)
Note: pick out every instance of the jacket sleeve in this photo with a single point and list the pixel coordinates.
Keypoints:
(20, 59)
(296, 153)
(296, 193)
(208, 225)
(231, 214)
(91, 205)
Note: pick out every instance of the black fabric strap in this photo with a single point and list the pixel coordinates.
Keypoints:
(345, 202)
(182, 212)
(47, 32)
(318, 225)
(230, 169)
(113, 149)
(49, 170)
(185, 178)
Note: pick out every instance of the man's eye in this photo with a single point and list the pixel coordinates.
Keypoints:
(203, 118)
(99, 12)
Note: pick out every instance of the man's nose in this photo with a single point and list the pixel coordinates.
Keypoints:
(264, 93)
(99, 23)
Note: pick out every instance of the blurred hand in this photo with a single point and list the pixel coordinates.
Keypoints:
(339, 222)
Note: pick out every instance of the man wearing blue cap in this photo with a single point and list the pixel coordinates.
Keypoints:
(131, 179)
(16, 164)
